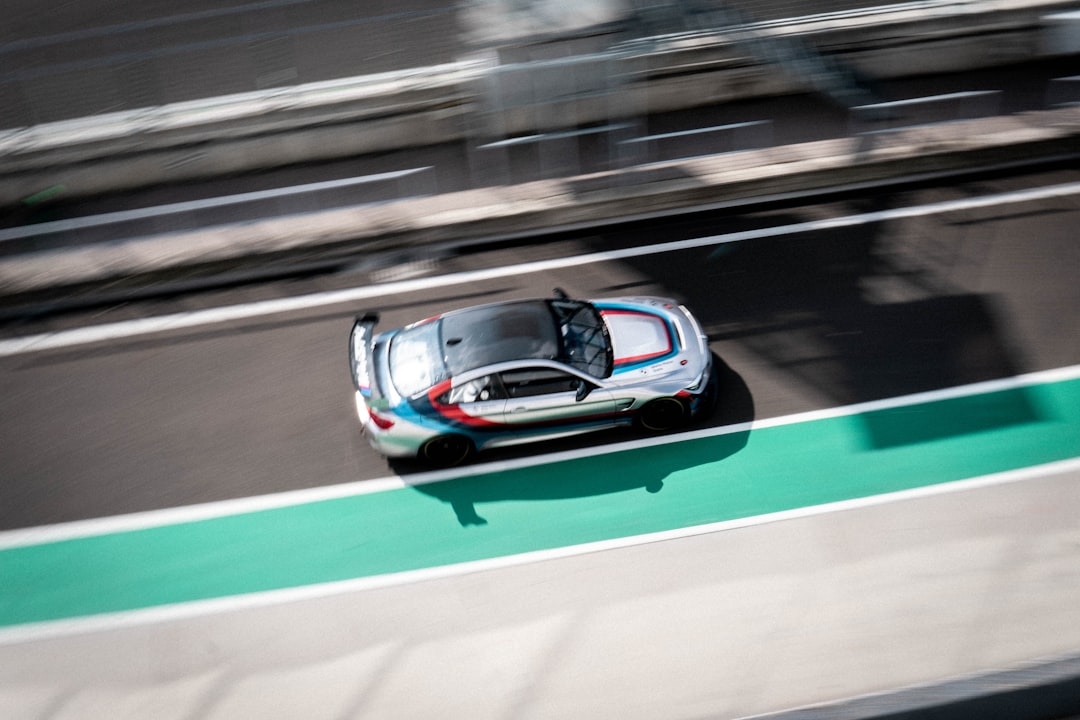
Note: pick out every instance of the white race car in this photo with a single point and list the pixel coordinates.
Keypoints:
(527, 370)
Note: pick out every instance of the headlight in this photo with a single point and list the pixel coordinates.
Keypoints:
(696, 385)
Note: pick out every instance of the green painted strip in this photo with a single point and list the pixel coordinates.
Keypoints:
(41, 196)
(638, 491)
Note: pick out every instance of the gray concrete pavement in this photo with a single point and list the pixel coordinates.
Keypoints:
(725, 625)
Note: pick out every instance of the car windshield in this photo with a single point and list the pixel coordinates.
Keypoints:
(573, 332)
(585, 342)
(416, 361)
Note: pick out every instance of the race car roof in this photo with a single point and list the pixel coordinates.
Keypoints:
(491, 334)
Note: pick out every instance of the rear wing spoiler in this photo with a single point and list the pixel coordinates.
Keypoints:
(363, 331)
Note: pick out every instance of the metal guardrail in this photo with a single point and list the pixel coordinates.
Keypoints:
(1063, 92)
(274, 202)
(914, 112)
(701, 142)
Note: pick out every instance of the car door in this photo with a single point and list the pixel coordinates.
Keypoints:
(543, 397)
(476, 404)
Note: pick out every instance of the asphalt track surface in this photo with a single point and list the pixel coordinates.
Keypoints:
(803, 321)
(798, 611)
(768, 571)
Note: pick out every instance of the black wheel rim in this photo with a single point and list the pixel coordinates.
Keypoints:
(663, 414)
(446, 451)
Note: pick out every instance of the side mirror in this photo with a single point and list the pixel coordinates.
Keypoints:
(583, 390)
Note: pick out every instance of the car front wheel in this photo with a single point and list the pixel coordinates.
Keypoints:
(662, 414)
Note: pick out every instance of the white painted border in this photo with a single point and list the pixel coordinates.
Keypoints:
(177, 321)
(205, 511)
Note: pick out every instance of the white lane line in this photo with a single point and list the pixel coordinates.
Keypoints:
(966, 95)
(186, 610)
(206, 511)
(164, 323)
(696, 131)
(196, 318)
(89, 221)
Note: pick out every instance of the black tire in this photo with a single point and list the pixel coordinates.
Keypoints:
(662, 415)
(447, 450)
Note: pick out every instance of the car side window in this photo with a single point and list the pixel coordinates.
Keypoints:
(481, 389)
(538, 381)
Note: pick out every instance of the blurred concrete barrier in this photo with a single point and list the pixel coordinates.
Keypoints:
(321, 121)
(1061, 33)
(209, 138)
(432, 224)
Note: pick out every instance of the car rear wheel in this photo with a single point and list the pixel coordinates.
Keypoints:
(662, 415)
(446, 450)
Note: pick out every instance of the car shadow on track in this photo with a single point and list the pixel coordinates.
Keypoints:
(649, 465)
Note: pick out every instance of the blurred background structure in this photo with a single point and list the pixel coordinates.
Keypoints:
(537, 89)
(63, 67)
(871, 208)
